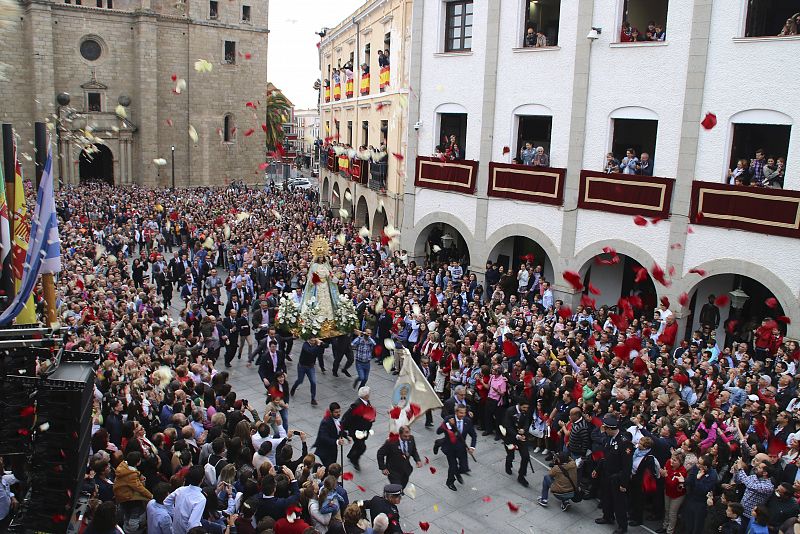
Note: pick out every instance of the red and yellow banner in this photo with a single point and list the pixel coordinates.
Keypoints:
(344, 163)
(384, 78)
(327, 94)
(337, 91)
(348, 88)
(19, 248)
(365, 84)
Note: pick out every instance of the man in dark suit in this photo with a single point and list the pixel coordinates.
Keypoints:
(270, 363)
(212, 303)
(428, 369)
(329, 435)
(394, 457)
(340, 345)
(232, 343)
(459, 398)
(261, 320)
(516, 422)
(455, 430)
(357, 422)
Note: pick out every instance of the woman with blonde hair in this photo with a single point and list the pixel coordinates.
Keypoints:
(790, 28)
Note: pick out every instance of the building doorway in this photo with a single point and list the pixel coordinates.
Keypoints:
(97, 166)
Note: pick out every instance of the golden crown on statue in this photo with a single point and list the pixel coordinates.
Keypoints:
(319, 248)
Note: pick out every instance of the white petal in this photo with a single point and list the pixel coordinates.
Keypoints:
(193, 134)
(388, 343)
(160, 162)
(343, 213)
(364, 232)
(120, 111)
(348, 196)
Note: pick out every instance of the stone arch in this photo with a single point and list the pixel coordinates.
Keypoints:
(361, 215)
(347, 201)
(690, 283)
(326, 186)
(417, 240)
(649, 291)
(379, 221)
(336, 196)
(634, 112)
(541, 239)
(96, 164)
(761, 116)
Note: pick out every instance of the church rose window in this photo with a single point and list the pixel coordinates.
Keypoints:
(91, 50)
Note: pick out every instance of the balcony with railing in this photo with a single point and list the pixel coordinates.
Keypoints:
(627, 194)
(378, 171)
(458, 176)
(754, 209)
(544, 185)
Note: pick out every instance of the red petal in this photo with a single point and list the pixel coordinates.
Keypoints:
(656, 220)
(23, 431)
(783, 319)
(593, 289)
(565, 312)
(424, 526)
(722, 300)
(574, 279)
(689, 230)
(264, 126)
(379, 106)
(659, 275)
(676, 246)
(27, 411)
(394, 413)
(731, 328)
(700, 272)
(174, 77)
(398, 155)
(709, 121)
(771, 302)
(487, 499)
(250, 105)
(513, 507)
(671, 270)
(263, 166)
(588, 301)
(249, 132)
(315, 278)
(361, 488)
(610, 250)
(506, 150)
(169, 122)
(427, 461)
(591, 342)
(248, 55)
(683, 299)
(635, 301)
(639, 221)
(665, 301)
(433, 470)
(641, 273)
(347, 475)
(698, 217)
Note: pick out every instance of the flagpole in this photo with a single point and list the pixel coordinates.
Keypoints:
(48, 281)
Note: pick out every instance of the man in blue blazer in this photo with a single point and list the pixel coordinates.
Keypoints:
(329, 435)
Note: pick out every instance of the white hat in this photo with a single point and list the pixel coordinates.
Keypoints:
(363, 392)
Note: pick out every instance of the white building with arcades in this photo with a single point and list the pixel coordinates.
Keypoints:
(581, 89)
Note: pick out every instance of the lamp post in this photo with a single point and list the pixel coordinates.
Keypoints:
(62, 100)
(173, 166)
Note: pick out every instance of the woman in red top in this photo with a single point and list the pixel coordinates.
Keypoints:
(674, 490)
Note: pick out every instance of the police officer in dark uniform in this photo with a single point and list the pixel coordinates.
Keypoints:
(516, 422)
(387, 505)
(614, 472)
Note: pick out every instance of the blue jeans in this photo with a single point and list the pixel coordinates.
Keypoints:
(285, 415)
(547, 481)
(362, 368)
(302, 371)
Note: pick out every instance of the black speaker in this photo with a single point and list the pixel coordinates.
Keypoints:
(61, 442)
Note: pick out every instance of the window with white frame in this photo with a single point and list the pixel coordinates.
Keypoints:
(772, 18)
(541, 23)
(643, 21)
(458, 26)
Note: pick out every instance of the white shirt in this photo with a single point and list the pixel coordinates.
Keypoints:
(258, 440)
(189, 503)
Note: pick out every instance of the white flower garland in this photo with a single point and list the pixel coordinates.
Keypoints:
(288, 314)
(345, 316)
(310, 321)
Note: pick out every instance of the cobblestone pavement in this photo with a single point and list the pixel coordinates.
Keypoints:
(446, 511)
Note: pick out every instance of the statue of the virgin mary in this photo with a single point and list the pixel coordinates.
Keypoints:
(321, 289)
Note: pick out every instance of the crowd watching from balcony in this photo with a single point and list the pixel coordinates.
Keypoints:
(383, 58)
(535, 157)
(630, 164)
(760, 171)
(535, 38)
(631, 34)
(791, 27)
(449, 150)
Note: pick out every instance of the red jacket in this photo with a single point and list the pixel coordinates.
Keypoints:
(672, 487)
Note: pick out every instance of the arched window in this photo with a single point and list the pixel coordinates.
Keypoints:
(228, 129)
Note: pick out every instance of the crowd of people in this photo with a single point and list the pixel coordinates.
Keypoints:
(760, 171)
(630, 164)
(631, 34)
(170, 287)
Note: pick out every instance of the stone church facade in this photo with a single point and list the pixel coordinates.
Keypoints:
(104, 53)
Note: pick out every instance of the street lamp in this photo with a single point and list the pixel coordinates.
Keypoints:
(62, 100)
(173, 166)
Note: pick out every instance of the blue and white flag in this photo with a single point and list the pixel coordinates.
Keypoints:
(44, 250)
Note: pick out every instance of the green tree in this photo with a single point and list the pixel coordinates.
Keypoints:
(278, 109)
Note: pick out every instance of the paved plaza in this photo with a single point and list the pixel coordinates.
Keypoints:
(446, 511)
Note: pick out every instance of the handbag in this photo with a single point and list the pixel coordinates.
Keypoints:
(577, 495)
(649, 484)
